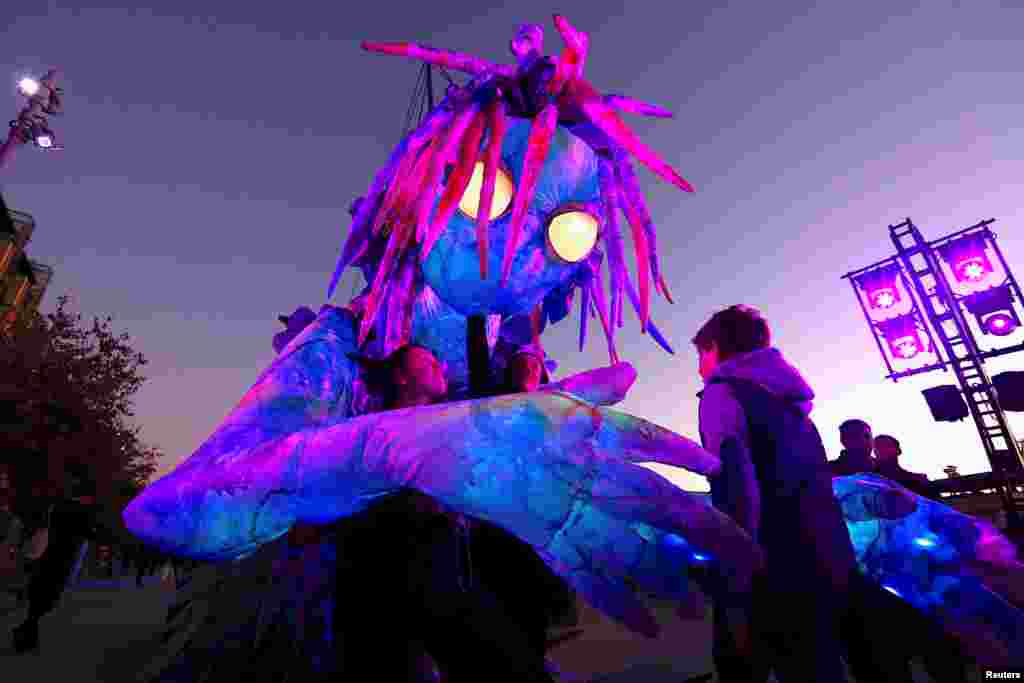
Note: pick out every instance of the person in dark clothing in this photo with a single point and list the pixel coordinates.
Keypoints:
(775, 483)
(887, 464)
(418, 586)
(881, 632)
(72, 521)
(532, 595)
(856, 458)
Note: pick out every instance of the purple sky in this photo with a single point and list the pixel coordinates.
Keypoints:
(212, 148)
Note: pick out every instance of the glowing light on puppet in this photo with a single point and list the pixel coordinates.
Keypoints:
(572, 235)
(503, 191)
(45, 141)
(28, 86)
(924, 542)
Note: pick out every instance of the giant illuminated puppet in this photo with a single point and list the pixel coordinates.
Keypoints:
(504, 203)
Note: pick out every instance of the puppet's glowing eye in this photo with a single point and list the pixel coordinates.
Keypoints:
(503, 188)
(572, 235)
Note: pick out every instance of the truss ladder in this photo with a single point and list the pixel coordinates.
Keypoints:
(949, 325)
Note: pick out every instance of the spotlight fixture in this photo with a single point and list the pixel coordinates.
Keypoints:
(879, 287)
(967, 257)
(994, 311)
(902, 335)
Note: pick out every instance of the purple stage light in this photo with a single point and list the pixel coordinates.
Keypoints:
(966, 256)
(1000, 324)
(993, 309)
(902, 335)
(879, 287)
(883, 298)
(906, 347)
(971, 270)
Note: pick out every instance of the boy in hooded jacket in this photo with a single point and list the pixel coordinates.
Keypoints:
(775, 482)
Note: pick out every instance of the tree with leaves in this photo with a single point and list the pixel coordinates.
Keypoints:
(66, 401)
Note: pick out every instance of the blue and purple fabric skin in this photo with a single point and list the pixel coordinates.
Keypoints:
(940, 561)
(558, 468)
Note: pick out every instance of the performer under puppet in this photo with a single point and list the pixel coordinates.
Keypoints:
(503, 203)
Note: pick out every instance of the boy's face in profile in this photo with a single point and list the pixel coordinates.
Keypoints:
(707, 361)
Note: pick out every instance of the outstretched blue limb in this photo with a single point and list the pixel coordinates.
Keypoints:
(957, 569)
(556, 470)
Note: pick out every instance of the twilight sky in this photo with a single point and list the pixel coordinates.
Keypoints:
(213, 147)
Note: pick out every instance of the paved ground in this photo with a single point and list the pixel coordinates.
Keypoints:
(105, 632)
(102, 632)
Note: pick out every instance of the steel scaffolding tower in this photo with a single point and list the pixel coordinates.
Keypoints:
(965, 358)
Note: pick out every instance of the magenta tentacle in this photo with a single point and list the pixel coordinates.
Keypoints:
(630, 189)
(585, 313)
(537, 150)
(598, 296)
(632, 106)
(498, 125)
(461, 174)
(613, 237)
(356, 244)
(399, 305)
(456, 61)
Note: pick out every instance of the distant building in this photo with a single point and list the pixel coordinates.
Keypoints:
(23, 282)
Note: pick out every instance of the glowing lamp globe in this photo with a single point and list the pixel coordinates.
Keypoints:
(572, 235)
(1000, 324)
(905, 347)
(44, 141)
(972, 270)
(500, 200)
(967, 258)
(879, 287)
(28, 86)
(883, 298)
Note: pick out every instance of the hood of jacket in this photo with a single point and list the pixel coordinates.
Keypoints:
(768, 369)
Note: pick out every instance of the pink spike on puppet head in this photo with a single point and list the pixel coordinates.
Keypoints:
(457, 182)
(456, 61)
(631, 106)
(537, 147)
(498, 125)
(427, 232)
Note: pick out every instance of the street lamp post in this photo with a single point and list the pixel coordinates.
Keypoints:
(892, 294)
(32, 124)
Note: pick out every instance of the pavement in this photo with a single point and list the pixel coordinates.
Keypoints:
(103, 631)
(106, 631)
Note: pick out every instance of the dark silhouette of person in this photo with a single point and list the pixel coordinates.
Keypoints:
(775, 483)
(858, 446)
(72, 521)
(406, 571)
(530, 593)
(887, 464)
